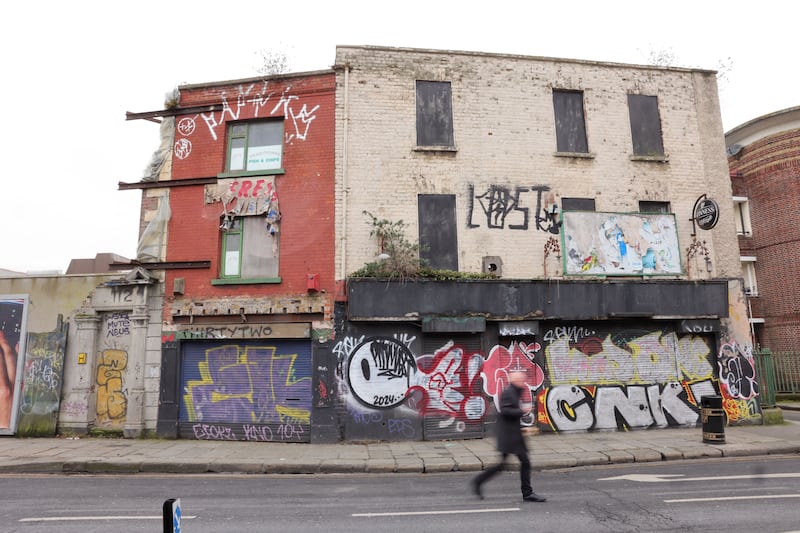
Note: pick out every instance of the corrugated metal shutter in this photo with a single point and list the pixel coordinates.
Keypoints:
(246, 390)
(447, 376)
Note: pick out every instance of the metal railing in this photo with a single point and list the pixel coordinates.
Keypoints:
(765, 374)
(778, 373)
(787, 371)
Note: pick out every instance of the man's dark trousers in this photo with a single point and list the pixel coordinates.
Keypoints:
(524, 472)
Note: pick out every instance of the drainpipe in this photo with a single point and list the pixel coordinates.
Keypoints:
(345, 189)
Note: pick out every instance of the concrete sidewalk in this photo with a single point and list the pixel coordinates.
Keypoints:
(99, 455)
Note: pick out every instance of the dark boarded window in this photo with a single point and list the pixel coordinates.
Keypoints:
(570, 122)
(577, 204)
(645, 125)
(438, 240)
(649, 206)
(434, 114)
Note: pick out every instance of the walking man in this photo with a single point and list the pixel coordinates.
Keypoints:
(510, 439)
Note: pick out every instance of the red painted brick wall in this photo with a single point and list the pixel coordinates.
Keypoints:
(768, 173)
(305, 191)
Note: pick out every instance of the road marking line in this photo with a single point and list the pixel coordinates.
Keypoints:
(455, 511)
(724, 498)
(79, 518)
(665, 478)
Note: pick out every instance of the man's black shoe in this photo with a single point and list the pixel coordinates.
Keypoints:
(532, 497)
(476, 488)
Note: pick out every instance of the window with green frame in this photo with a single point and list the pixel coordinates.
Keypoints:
(255, 146)
(249, 251)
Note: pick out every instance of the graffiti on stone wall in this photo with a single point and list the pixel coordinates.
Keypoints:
(112, 397)
(250, 385)
(254, 100)
(502, 207)
(73, 409)
(118, 325)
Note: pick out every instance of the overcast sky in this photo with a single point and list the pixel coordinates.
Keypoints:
(72, 69)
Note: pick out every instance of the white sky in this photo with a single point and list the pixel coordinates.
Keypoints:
(70, 71)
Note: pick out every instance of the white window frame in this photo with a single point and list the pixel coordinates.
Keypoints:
(741, 215)
(749, 275)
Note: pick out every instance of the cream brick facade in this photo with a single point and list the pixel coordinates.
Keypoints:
(504, 132)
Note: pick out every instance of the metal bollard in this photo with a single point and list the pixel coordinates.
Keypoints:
(713, 417)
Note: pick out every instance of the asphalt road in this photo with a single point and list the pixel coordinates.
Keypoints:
(730, 495)
(791, 415)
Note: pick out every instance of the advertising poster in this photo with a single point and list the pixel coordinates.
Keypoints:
(13, 318)
(620, 244)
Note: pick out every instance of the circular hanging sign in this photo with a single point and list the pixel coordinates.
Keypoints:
(706, 213)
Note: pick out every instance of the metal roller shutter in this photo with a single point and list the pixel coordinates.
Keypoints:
(246, 390)
(452, 386)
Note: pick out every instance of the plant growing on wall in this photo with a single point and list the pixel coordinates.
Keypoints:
(399, 257)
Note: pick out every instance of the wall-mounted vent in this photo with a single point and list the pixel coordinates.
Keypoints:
(492, 264)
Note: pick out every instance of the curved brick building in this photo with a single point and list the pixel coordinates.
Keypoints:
(764, 161)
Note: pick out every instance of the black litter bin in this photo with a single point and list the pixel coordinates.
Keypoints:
(713, 416)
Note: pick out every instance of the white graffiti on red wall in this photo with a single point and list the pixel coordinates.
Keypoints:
(448, 382)
(186, 126)
(261, 100)
(502, 361)
(231, 387)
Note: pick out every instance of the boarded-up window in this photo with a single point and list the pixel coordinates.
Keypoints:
(437, 230)
(434, 114)
(570, 121)
(577, 204)
(645, 125)
(650, 206)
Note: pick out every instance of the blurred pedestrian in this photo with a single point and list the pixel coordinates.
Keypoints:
(510, 439)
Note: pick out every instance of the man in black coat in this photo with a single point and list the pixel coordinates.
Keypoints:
(510, 439)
